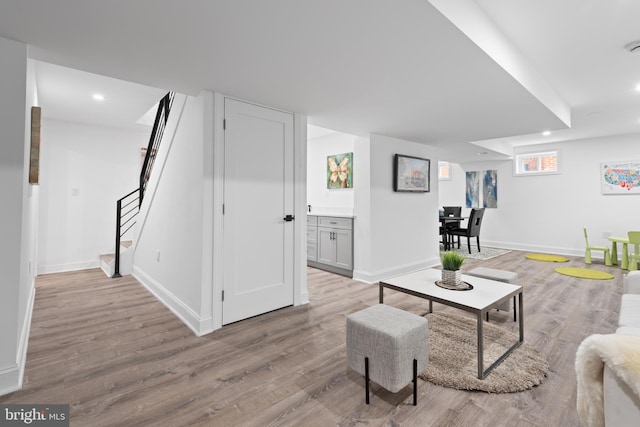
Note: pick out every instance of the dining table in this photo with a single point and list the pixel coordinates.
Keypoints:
(624, 260)
(444, 220)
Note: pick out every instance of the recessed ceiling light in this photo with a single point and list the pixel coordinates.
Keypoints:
(98, 97)
(546, 133)
(482, 153)
(638, 87)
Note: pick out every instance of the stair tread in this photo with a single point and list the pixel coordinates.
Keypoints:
(107, 257)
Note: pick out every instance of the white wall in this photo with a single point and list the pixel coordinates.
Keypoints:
(396, 232)
(178, 254)
(321, 199)
(18, 217)
(168, 254)
(30, 220)
(449, 192)
(84, 171)
(547, 213)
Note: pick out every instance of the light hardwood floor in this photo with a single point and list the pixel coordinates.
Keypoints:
(120, 358)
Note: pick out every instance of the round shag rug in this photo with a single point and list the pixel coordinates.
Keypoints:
(453, 361)
(546, 257)
(585, 273)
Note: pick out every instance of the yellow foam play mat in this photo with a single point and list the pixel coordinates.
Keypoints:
(546, 257)
(584, 273)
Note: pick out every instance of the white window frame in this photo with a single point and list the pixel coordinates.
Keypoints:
(517, 171)
(442, 177)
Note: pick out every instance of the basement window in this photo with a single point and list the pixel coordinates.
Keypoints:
(444, 171)
(536, 163)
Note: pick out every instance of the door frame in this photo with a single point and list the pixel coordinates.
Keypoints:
(300, 293)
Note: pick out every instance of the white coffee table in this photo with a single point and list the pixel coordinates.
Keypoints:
(485, 295)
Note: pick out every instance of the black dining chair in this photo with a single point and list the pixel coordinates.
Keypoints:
(472, 230)
(455, 211)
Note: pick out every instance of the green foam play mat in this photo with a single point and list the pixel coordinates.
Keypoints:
(584, 273)
(546, 257)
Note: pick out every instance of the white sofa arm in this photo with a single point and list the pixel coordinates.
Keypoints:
(621, 405)
(632, 282)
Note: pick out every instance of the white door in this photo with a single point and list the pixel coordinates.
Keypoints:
(258, 195)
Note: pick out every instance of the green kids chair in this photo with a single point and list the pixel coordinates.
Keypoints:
(587, 254)
(634, 243)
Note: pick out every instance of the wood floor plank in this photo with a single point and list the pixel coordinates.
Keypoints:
(120, 358)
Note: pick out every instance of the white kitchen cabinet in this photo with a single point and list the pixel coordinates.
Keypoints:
(334, 244)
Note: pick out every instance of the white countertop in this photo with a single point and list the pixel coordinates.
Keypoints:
(337, 215)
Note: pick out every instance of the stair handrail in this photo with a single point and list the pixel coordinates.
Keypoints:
(162, 116)
(127, 219)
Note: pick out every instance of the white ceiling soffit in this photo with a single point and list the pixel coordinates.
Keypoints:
(67, 94)
(317, 132)
(471, 20)
(579, 46)
(397, 68)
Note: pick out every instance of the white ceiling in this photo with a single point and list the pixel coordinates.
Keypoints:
(364, 66)
(67, 94)
(578, 46)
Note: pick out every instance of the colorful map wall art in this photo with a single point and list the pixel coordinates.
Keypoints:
(622, 177)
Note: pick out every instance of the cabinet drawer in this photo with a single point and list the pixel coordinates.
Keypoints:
(335, 222)
(312, 251)
(312, 220)
(312, 233)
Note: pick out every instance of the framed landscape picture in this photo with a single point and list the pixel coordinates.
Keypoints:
(411, 174)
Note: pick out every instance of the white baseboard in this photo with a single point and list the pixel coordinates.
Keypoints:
(11, 377)
(199, 326)
(376, 276)
(75, 266)
(304, 298)
(534, 248)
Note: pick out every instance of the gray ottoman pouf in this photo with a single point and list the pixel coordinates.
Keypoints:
(392, 342)
(499, 276)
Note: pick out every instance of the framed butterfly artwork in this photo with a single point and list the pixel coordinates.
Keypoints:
(340, 171)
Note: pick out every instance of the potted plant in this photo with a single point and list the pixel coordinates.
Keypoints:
(451, 263)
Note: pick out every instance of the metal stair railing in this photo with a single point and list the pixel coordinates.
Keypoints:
(126, 212)
(127, 207)
(162, 116)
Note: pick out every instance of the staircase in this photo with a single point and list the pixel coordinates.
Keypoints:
(127, 207)
(108, 261)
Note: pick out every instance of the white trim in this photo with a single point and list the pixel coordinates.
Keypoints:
(300, 290)
(199, 326)
(74, 266)
(534, 248)
(218, 201)
(376, 276)
(208, 206)
(11, 377)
